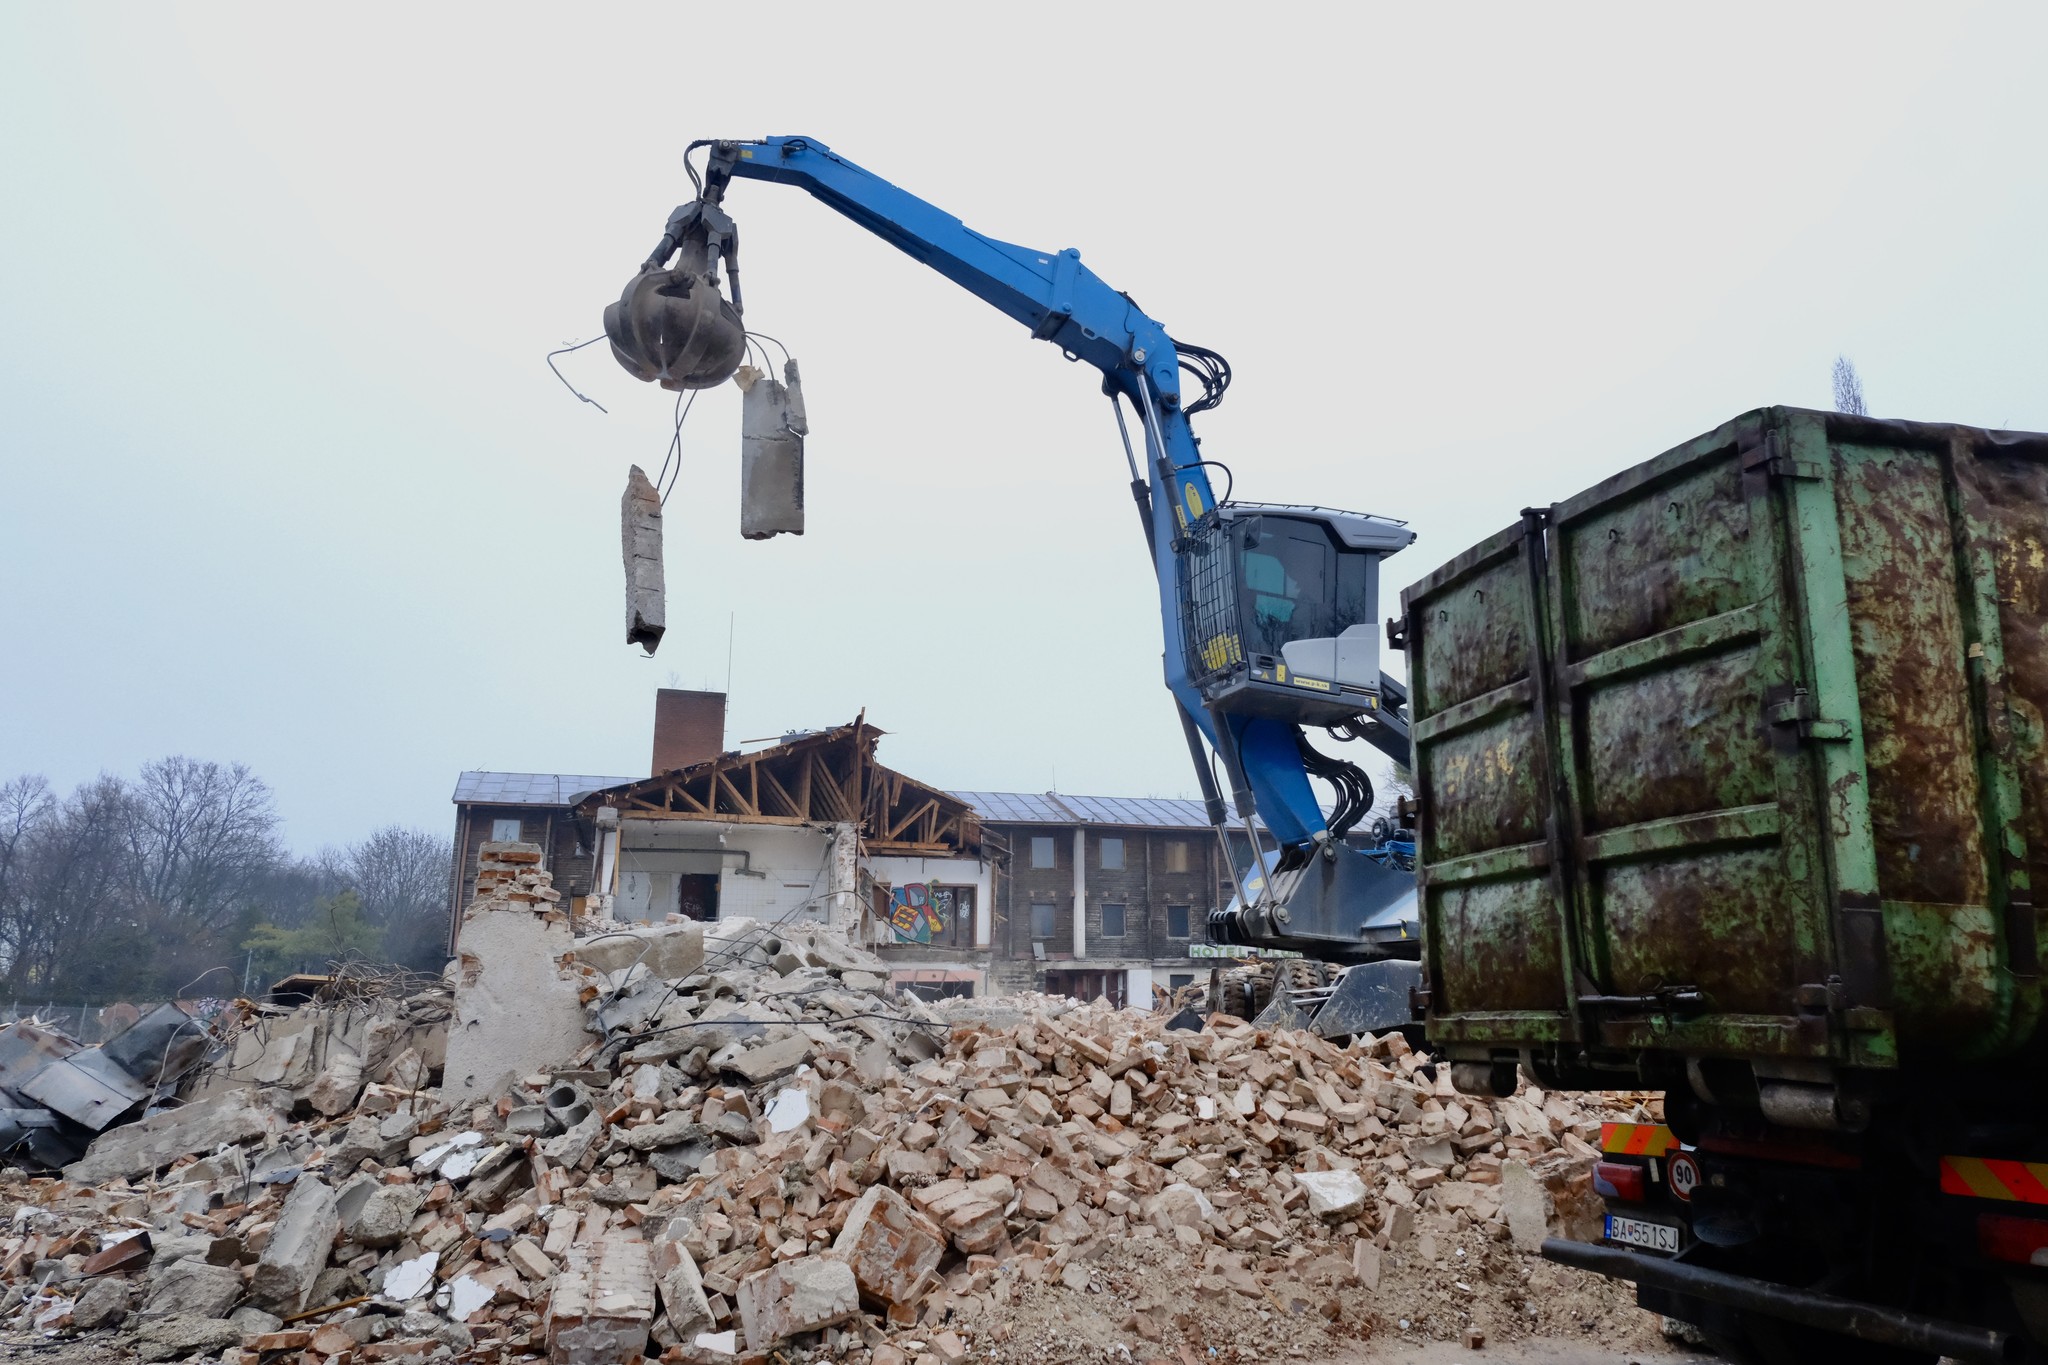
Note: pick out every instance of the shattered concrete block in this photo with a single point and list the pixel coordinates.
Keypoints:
(105, 1303)
(602, 1303)
(772, 1059)
(803, 1295)
(139, 1149)
(334, 1090)
(1333, 1194)
(191, 1288)
(667, 951)
(889, 1245)
(571, 1147)
(297, 1250)
(381, 1217)
(680, 1285)
(183, 1336)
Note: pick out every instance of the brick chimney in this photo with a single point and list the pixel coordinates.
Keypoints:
(689, 727)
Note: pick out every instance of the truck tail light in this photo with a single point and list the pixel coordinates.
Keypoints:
(1623, 1181)
(2022, 1241)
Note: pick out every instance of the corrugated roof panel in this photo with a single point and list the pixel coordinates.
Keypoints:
(528, 789)
(1059, 808)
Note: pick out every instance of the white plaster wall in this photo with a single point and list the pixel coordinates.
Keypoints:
(516, 1012)
(947, 872)
(785, 875)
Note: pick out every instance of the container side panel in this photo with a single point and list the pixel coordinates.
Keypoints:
(2012, 494)
(1476, 637)
(1673, 554)
(1510, 948)
(1676, 740)
(1696, 870)
(1898, 556)
(1711, 920)
(1485, 789)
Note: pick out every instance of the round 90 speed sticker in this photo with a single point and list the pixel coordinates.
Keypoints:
(1684, 1175)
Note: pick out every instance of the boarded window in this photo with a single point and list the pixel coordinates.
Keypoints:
(1112, 921)
(1113, 854)
(1041, 919)
(1176, 921)
(1042, 854)
(1176, 855)
(504, 831)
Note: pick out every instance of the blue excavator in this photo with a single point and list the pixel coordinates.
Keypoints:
(1269, 611)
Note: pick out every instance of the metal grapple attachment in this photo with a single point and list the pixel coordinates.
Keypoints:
(674, 328)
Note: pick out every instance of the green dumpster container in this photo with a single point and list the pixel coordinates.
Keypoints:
(1740, 755)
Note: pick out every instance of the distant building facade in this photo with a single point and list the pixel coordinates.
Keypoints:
(1104, 896)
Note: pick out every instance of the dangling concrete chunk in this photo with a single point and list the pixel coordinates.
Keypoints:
(772, 431)
(640, 537)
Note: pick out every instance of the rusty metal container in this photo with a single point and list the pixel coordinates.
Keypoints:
(1740, 754)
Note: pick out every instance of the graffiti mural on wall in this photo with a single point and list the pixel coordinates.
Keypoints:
(919, 912)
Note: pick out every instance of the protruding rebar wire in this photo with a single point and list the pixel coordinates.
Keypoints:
(565, 382)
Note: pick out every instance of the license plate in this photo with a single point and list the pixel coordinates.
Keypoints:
(1640, 1232)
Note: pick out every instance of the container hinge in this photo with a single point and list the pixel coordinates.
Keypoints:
(1768, 457)
(1397, 633)
(1795, 712)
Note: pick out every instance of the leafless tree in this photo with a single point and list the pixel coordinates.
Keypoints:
(399, 874)
(203, 837)
(1848, 388)
(67, 894)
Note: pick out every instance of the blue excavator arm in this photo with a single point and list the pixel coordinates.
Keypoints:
(1062, 301)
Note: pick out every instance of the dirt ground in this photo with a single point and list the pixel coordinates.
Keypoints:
(1148, 1301)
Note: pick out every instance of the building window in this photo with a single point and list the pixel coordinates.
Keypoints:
(1112, 921)
(1113, 854)
(1179, 979)
(504, 831)
(1176, 855)
(1176, 921)
(1042, 854)
(1041, 919)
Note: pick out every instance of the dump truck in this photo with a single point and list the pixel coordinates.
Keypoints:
(1732, 780)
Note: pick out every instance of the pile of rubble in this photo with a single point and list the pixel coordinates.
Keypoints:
(756, 1150)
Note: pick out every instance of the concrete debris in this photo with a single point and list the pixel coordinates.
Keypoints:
(148, 1146)
(775, 1157)
(296, 1250)
(795, 1297)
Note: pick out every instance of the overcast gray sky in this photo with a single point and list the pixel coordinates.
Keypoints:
(286, 481)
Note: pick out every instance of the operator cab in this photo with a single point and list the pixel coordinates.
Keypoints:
(1279, 609)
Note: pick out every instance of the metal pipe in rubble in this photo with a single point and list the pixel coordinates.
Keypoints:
(1827, 1312)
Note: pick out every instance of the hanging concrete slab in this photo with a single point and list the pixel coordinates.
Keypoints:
(640, 542)
(772, 431)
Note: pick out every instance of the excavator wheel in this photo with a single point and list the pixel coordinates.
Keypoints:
(1240, 992)
(1300, 973)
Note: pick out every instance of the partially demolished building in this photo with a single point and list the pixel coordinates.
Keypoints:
(809, 830)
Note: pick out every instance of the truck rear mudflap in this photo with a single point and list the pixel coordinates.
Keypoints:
(1806, 1307)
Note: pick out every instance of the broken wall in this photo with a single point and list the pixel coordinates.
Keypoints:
(516, 1008)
